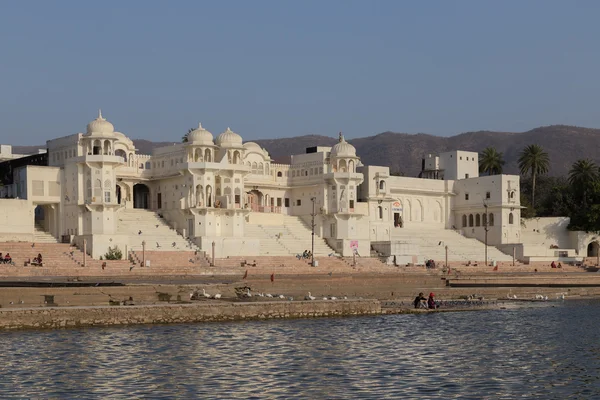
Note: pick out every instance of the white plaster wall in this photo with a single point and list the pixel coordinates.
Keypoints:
(16, 220)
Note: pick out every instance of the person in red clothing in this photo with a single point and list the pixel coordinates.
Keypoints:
(431, 301)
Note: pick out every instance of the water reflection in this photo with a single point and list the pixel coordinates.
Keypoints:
(548, 352)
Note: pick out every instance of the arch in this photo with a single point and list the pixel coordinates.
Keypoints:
(118, 193)
(141, 196)
(236, 157)
(342, 166)
(470, 220)
(98, 189)
(380, 212)
(592, 249)
(381, 185)
(207, 155)
(130, 163)
(254, 168)
(351, 166)
(97, 147)
(148, 165)
(491, 219)
(107, 147)
(511, 219)
(464, 221)
(484, 219)
(267, 169)
(279, 174)
(199, 196)
(208, 196)
(408, 210)
(255, 199)
(198, 157)
(477, 220)
(261, 169)
(88, 186)
(121, 153)
(437, 212)
(418, 210)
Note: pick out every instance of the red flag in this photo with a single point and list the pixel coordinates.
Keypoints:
(245, 275)
(272, 277)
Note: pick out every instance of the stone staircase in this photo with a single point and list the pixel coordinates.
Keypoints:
(155, 231)
(289, 239)
(460, 248)
(41, 236)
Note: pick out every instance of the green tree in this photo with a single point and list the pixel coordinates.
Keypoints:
(534, 160)
(184, 138)
(582, 176)
(113, 253)
(491, 161)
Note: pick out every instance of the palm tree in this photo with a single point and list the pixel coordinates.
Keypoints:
(491, 161)
(534, 160)
(583, 174)
(184, 138)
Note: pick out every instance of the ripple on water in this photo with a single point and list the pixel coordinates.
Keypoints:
(549, 352)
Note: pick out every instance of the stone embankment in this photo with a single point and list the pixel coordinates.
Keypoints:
(64, 317)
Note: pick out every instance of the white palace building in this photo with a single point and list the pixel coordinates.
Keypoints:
(93, 186)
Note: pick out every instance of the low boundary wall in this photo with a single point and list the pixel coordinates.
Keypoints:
(57, 317)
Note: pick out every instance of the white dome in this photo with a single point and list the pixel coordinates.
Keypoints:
(253, 146)
(100, 126)
(343, 149)
(229, 139)
(200, 136)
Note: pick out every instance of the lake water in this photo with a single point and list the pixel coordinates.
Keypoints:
(548, 352)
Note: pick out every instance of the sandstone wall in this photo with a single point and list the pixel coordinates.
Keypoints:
(55, 317)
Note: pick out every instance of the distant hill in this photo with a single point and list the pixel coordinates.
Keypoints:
(402, 152)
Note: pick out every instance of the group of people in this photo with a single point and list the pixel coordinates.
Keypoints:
(553, 265)
(421, 302)
(37, 260)
(305, 254)
(429, 264)
(7, 259)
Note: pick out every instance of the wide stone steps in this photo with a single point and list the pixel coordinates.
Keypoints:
(147, 226)
(432, 245)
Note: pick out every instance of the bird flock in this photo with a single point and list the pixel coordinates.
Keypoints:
(197, 295)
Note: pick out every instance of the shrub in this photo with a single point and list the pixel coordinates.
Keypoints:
(113, 253)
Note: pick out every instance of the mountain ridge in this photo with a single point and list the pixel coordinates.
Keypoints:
(402, 152)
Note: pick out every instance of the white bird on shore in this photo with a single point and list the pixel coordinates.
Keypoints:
(545, 298)
(333, 298)
(324, 298)
(191, 295)
(345, 297)
(248, 293)
(205, 294)
(310, 297)
(562, 296)
(281, 296)
(268, 295)
(217, 296)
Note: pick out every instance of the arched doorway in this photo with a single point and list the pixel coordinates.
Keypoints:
(592, 249)
(121, 153)
(255, 200)
(141, 196)
(118, 194)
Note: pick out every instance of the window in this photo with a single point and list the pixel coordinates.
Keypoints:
(381, 185)
(461, 157)
(466, 176)
(477, 220)
(141, 166)
(147, 164)
(488, 195)
(352, 204)
(107, 197)
(237, 199)
(464, 221)
(491, 220)
(511, 218)
(279, 202)
(279, 175)
(470, 220)
(484, 219)
(298, 202)
(380, 212)
(466, 196)
(287, 202)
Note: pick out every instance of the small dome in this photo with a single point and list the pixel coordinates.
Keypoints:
(343, 149)
(100, 126)
(200, 136)
(252, 146)
(229, 139)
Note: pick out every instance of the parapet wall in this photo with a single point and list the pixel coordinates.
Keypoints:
(55, 317)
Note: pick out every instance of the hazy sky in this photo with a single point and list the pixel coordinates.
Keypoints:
(285, 68)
